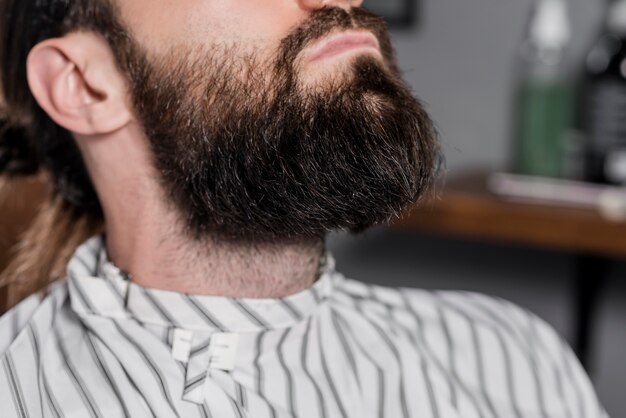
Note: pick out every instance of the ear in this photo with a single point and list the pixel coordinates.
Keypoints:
(76, 82)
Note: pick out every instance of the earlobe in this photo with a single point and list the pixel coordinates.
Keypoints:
(75, 81)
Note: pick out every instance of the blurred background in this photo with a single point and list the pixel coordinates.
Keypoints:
(530, 99)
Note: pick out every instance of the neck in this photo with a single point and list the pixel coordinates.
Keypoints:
(158, 257)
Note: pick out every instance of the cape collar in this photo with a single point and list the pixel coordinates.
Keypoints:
(97, 287)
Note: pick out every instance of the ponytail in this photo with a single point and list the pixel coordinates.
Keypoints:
(41, 254)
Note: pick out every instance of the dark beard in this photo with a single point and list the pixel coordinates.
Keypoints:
(244, 161)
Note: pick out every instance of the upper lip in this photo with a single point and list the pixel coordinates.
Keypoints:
(341, 41)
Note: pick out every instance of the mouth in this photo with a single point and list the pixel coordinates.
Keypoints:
(342, 43)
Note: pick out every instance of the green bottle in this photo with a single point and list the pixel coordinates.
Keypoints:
(545, 93)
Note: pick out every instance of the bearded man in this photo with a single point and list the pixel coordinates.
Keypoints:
(199, 152)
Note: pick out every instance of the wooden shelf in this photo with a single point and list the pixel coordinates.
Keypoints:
(466, 209)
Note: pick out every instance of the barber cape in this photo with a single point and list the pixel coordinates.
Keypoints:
(98, 345)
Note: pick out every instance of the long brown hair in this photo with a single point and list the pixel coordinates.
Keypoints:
(42, 251)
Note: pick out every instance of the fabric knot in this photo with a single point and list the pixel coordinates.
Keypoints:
(197, 370)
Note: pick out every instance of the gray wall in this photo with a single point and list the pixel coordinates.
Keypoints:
(460, 62)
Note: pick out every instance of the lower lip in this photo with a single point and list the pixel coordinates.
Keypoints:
(349, 45)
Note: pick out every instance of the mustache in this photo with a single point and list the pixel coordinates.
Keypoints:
(324, 21)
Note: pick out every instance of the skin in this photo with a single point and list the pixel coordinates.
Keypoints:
(75, 80)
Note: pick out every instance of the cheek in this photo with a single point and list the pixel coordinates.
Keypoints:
(251, 26)
(243, 24)
(268, 20)
(155, 23)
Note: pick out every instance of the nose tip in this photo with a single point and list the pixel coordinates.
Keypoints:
(318, 4)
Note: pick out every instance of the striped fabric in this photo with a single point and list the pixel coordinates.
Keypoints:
(99, 345)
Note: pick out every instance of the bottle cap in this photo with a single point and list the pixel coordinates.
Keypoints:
(549, 25)
(616, 22)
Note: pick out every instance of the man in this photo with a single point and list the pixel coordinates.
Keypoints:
(215, 143)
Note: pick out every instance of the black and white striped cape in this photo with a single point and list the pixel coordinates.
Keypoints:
(101, 346)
